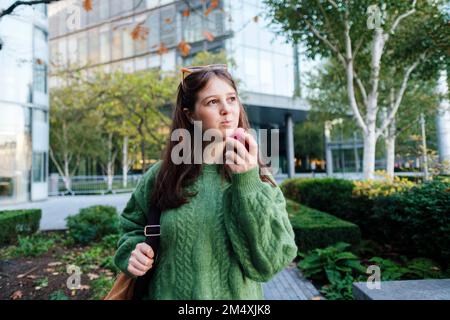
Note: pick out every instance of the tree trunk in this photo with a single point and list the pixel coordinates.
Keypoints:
(369, 153)
(66, 177)
(125, 162)
(390, 155)
(110, 164)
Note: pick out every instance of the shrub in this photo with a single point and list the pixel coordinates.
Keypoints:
(329, 195)
(418, 220)
(18, 222)
(334, 266)
(32, 246)
(93, 223)
(58, 295)
(314, 229)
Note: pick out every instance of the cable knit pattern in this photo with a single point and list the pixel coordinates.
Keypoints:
(223, 244)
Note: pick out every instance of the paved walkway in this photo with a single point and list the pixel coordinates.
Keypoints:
(290, 284)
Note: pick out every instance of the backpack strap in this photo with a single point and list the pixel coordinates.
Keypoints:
(152, 238)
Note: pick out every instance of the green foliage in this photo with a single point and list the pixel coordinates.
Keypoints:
(413, 218)
(100, 254)
(58, 295)
(335, 266)
(317, 193)
(328, 263)
(32, 246)
(42, 282)
(314, 229)
(18, 222)
(93, 223)
(418, 220)
(100, 287)
(340, 288)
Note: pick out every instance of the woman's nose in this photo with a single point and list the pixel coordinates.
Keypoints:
(225, 107)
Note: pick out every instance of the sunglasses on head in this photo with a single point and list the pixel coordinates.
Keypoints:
(185, 71)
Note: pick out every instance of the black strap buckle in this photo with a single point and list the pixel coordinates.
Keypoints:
(156, 233)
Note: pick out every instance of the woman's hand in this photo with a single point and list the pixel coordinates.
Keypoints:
(141, 259)
(237, 158)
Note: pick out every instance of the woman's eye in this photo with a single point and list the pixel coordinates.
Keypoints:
(233, 98)
(214, 101)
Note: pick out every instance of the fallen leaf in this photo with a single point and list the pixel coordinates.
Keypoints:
(17, 295)
(92, 276)
(37, 288)
(49, 270)
(168, 20)
(54, 264)
(55, 273)
(32, 276)
(85, 287)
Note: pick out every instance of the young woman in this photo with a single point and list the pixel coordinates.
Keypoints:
(224, 226)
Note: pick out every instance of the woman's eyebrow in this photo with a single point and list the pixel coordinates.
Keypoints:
(216, 95)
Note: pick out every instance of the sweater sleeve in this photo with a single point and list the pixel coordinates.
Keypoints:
(258, 226)
(133, 220)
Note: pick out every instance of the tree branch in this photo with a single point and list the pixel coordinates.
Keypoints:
(350, 73)
(403, 16)
(400, 95)
(361, 87)
(334, 4)
(327, 42)
(16, 4)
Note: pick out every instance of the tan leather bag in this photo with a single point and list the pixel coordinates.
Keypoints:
(122, 289)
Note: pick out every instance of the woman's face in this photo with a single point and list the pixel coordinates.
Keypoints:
(217, 107)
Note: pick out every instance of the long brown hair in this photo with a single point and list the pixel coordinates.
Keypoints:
(173, 178)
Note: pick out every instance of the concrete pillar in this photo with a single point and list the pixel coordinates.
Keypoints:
(290, 145)
(443, 123)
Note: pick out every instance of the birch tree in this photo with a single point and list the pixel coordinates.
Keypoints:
(351, 31)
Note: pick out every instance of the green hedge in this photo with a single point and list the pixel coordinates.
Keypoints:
(417, 220)
(317, 193)
(18, 222)
(93, 223)
(314, 229)
(414, 221)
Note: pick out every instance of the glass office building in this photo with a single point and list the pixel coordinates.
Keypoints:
(24, 104)
(101, 39)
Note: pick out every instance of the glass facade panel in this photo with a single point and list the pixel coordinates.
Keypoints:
(105, 50)
(15, 146)
(117, 44)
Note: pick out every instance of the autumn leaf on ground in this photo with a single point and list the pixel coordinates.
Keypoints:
(17, 295)
(140, 32)
(168, 20)
(185, 48)
(208, 36)
(87, 5)
(54, 264)
(92, 276)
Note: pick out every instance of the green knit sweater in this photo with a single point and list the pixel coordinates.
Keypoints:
(223, 244)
